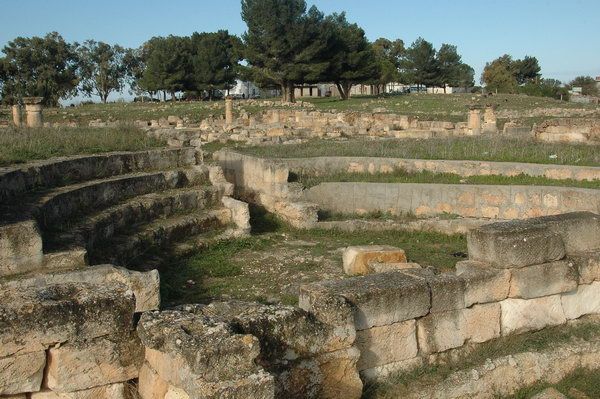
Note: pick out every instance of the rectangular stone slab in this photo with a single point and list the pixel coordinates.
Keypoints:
(33, 318)
(380, 299)
(514, 244)
(22, 373)
(542, 280)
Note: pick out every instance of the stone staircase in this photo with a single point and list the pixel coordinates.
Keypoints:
(117, 208)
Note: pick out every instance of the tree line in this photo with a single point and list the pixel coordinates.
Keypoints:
(508, 75)
(285, 45)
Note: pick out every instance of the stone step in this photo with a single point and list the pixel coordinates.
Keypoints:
(93, 229)
(15, 181)
(127, 248)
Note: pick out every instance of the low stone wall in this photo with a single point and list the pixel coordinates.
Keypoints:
(80, 334)
(520, 276)
(567, 130)
(265, 183)
(319, 166)
(478, 201)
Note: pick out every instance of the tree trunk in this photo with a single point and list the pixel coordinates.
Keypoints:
(164, 95)
(344, 89)
(287, 89)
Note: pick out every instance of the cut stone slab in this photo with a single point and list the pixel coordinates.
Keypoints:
(284, 332)
(438, 332)
(113, 391)
(585, 300)
(587, 265)
(482, 322)
(580, 231)
(378, 299)
(543, 280)
(240, 214)
(145, 285)
(390, 267)
(521, 315)
(36, 317)
(150, 385)
(182, 347)
(447, 292)
(514, 244)
(20, 248)
(22, 373)
(331, 308)
(101, 361)
(356, 259)
(339, 375)
(483, 284)
(386, 344)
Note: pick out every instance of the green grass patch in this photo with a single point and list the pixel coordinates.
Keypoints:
(400, 383)
(500, 149)
(402, 176)
(22, 145)
(276, 259)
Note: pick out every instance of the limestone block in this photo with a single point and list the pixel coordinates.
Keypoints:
(182, 347)
(356, 259)
(112, 391)
(339, 375)
(284, 332)
(331, 308)
(447, 292)
(542, 280)
(379, 299)
(150, 384)
(44, 315)
(240, 213)
(383, 372)
(22, 373)
(176, 393)
(386, 344)
(483, 284)
(580, 231)
(521, 315)
(20, 248)
(145, 285)
(514, 244)
(482, 322)
(101, 361)
(389, 267)
(587, 265)
(438, 332)
(584, 300)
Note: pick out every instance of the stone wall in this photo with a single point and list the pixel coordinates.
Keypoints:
(567, 130)
(319, 166)
(265, 183)
(521, 276)
(465, 200)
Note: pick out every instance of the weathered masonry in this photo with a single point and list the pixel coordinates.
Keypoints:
(76, 322)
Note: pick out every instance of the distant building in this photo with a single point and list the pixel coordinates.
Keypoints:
(246, 89)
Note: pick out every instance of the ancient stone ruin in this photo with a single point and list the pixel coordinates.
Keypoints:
(81, 313)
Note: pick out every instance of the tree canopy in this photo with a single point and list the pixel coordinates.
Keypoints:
(505, 74)
(588, 85)
(39, 67)
(103, 68)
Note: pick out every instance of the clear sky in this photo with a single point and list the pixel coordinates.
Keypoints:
(563, 34)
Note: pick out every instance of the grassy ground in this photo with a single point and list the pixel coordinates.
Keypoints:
(574, 386)
(21, 145)
(275, 260)
(399, 384)
(465, 148)
(402, 176)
